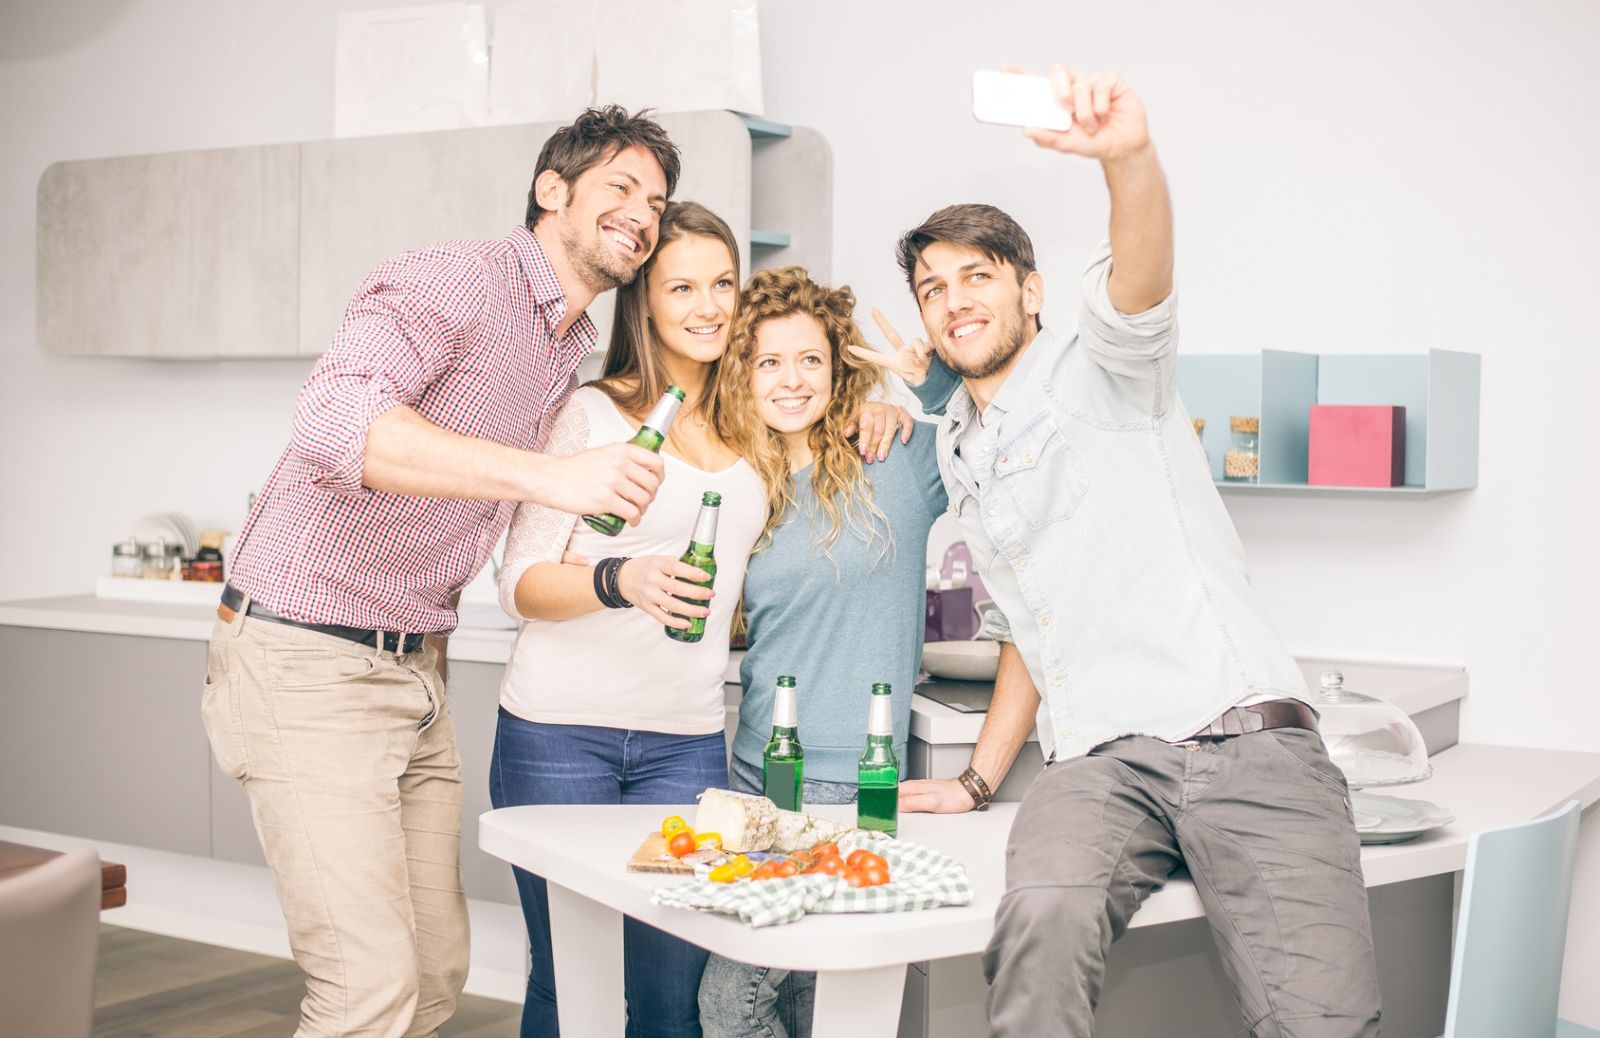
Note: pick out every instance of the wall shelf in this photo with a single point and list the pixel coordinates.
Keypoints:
(765, 129)
(1438, 389)
(769, 239)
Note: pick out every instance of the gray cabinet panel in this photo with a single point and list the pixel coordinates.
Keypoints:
(102, 738)
(193, 254)
(473, 692)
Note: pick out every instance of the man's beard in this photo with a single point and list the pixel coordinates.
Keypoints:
(1013, 336)
(595, 263)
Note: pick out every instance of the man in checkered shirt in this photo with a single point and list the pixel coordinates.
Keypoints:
(415, 437)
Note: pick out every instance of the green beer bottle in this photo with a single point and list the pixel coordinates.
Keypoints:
(700, 555)
(878, 775)
(650, 435)
(783, 764)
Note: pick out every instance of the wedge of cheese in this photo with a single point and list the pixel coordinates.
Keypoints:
(745, 821)
(753, 823)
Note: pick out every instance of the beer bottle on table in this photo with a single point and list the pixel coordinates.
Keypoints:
(878, 775)
(650, 436)
(784, 761)
(700, 556)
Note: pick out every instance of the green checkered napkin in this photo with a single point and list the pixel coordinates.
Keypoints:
(922, 878)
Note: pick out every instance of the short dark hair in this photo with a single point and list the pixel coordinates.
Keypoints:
(981, 227)
(595, 137)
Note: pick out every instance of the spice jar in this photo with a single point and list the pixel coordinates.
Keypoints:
(163, 561)
(1242, 464)
(126, 559)
(207, 563)
(1199, 427)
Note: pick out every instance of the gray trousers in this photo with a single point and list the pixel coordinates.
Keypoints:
(1262, 822)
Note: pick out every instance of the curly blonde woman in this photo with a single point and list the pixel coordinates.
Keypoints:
(834, 593)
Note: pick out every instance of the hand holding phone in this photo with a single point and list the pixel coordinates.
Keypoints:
(1017, 99)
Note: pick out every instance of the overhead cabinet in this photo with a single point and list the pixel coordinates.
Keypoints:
(255, 252)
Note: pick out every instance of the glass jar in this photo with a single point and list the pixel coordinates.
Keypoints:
(126, 559)
(1242, 464)
(163, 561)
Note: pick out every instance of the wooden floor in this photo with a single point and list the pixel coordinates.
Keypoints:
(148, 986)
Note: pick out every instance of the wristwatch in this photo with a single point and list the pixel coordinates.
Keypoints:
(976, 788)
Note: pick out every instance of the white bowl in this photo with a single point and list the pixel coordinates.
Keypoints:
(962, 661)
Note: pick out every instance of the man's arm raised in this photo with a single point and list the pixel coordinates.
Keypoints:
(1108, 124)
(1010, 720)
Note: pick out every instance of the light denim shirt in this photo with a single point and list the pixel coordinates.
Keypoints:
(1089, 508)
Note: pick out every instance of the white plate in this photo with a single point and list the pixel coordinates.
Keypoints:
(1386, 819)
(962, 661)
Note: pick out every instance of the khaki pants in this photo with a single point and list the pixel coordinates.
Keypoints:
(349, 759)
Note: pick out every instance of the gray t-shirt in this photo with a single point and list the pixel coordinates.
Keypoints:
(840, 625)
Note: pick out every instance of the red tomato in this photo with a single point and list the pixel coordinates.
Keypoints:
(856, 878)
(826, 849)
(786, 869)
(876, 875)
(829, 866)
(865, 859)
(682, 843)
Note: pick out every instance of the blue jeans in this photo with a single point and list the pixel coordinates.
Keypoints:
(579, 764)
(743, 1001)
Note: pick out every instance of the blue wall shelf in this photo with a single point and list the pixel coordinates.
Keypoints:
(1438, 389)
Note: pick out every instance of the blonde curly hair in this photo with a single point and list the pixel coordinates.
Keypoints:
(838, 477)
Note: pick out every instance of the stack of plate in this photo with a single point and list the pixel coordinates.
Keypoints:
(1386, 819)
(172, 527)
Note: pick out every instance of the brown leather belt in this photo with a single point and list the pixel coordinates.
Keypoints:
(232, 599)
(1274, 713)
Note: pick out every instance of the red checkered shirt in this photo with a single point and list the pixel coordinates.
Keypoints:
(462, 333)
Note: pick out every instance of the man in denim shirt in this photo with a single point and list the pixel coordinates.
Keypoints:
(1174, 718)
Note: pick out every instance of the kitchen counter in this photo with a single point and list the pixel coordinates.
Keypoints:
(486, 636)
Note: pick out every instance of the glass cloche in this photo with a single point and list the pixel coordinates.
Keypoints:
(1373, 741)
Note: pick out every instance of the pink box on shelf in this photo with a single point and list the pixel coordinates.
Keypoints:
(1357, 446)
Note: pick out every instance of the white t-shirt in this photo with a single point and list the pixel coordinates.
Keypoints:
(616, 668)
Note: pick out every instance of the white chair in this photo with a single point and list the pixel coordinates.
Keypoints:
(1505, 974)
(49, 939)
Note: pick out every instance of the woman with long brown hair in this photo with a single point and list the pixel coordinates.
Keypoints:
(834, 593)
(598, 705)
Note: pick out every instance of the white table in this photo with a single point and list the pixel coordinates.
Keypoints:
(861, 959)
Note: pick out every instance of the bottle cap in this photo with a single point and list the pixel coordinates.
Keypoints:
(675, 391)
(711, 498)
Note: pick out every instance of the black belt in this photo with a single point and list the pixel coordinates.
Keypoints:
(1274, 713)
(403, 643)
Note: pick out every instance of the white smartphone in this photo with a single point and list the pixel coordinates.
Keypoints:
(1016, 99)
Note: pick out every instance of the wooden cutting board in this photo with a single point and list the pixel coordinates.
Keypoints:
(652, 856)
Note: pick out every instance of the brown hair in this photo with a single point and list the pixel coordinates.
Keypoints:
(595, 137)
(838, 478)
(983, 227)
(634, 355)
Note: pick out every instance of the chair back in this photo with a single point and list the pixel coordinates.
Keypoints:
(49, 938)
(1505, 976)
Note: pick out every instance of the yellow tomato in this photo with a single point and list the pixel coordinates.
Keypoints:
(727, 872)
(674, 824)
(743, 866)
(704, 840)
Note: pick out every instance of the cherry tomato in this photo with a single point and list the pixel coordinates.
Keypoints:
(876, 875)
(829, 866)
(827, 848)
(682, 843)
(786, 869)
(673, 824)
(766, 870)
(855, 877)
(865, 859)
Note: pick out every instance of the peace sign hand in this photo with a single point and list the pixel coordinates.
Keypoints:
(909, 362)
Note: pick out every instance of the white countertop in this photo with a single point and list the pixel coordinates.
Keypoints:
(486, 636)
